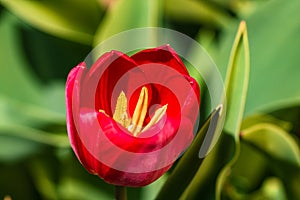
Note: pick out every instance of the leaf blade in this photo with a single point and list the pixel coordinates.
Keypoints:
(273, 141)
(191, 160)
(60, 18)
(236, 82)
(122, 16)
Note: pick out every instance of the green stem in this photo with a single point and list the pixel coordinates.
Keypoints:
(120, 193)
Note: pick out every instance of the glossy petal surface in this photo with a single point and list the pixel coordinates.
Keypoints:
(109, 150)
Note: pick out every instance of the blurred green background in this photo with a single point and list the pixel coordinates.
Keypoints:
(40, 41)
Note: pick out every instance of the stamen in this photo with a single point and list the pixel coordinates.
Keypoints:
(159, 113)
(140, 112)
(102, 111)
(120, 114)
(135, 126)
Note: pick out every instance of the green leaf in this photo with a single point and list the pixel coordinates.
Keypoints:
(15, 182)
(272, 188)
(32, 134)
(22, 113)
(273, 141)
(290, 115)
(76, 183)
(263, 118)
(248, 172)
(198, 12)
(15, 81)
(203, 184)
(23, 108)
(22, 96)
(227, 148)
(71, 188)
(16, 148)
(192, 158)
(290, 176)
(43, 178)
(275, 59)
(72, 20)
(128, 14)
(280, 150)
(20, 121)
(274, 46)
(266, 148)
(149, 192)
(236, 82)
(53, 62)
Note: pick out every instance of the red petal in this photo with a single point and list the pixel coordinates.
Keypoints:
(105, 74)
(92, 164)
(88, 159)
(161, 55)
(105, 156)
(164, 67)
(101, 156)
(72, 111)
(117, 177)
(88, 128)
(192, 96)
(159, 135)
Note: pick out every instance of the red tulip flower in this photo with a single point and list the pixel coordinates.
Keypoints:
(130, 118)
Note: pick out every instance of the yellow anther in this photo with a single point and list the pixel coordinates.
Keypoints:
(140, 112)
(159, 113)
(120, 114)
(135, 126)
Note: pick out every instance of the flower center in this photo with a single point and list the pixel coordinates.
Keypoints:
(135, 125)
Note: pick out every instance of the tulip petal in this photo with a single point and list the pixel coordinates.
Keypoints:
(107, 149)
(162, 60)
(105, 74)
(97, 152)
(72, 111)
(164, 55)
(122, 138)
(72, 97)
(190, 103)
